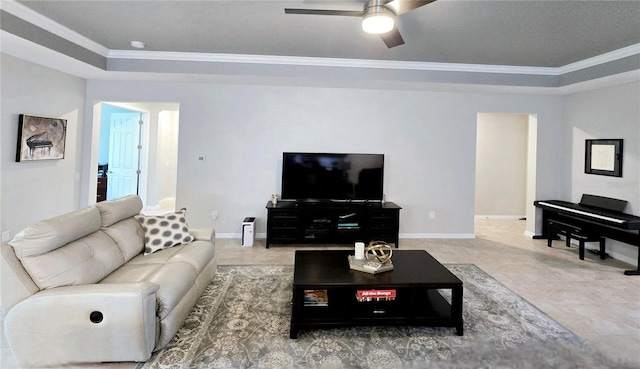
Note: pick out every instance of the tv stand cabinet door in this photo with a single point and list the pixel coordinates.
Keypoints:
(384, 225)
(283, 226)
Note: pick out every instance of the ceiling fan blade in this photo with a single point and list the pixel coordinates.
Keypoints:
(348, 13)
(392, 38)
(404, 6)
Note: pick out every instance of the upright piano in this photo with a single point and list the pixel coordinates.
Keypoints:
(599, 215)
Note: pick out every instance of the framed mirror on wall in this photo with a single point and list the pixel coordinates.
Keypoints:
(603, 157)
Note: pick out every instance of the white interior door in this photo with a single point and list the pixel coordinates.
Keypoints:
(124, 155)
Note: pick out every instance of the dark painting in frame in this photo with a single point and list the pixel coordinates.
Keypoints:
(40, 138)
(603, 157)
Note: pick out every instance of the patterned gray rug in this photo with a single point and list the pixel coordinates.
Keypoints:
(242, 321)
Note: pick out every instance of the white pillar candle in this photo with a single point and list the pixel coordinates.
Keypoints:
(359, 250)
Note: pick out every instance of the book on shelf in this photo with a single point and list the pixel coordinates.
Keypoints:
(316, 298)
(375, 295)
(348, 226)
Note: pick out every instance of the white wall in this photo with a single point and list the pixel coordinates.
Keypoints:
(605, 113)
(166, 156)
(501, 165)
(428, 139)
(33, 191)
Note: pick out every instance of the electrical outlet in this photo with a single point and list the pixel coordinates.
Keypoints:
(6, 235)
(214, 215)
(432, 214)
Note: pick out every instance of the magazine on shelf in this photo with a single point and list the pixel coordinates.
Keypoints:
(316, 298)
(375, 295)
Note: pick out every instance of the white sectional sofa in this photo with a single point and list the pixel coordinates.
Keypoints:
(79, 288)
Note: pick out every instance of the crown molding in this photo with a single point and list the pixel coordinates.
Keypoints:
(375, 64)
(27, 14)
(325, 62)
(601, 59)
(29, 51)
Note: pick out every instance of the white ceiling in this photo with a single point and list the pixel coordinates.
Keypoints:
(517, 33)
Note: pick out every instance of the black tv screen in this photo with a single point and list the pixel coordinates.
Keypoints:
(324, 176)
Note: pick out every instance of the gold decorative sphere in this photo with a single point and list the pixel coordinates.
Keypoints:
(379, 251)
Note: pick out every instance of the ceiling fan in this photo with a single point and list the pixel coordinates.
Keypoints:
(378, 16)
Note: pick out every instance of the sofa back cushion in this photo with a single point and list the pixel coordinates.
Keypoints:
(69, 249)
(119, 224)
(113, 211)
(128, 236)
(48, 235)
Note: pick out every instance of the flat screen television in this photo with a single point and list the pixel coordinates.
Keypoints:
(332, 177)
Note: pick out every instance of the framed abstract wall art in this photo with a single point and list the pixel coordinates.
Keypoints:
(40, 138)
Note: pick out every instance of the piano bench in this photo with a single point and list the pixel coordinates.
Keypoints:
(554, 228)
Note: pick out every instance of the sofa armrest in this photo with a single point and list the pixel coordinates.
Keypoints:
(17, 285)
(85, 323)
(203, 234)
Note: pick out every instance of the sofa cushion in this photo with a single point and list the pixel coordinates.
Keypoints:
(86, 260)
(197, 254)
(48, 235)
(164, 231)
(67, 250)
(174, 269)
(128, 235)
(116, 210)
(174, 279)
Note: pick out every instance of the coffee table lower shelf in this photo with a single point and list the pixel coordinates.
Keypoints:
(417, 306)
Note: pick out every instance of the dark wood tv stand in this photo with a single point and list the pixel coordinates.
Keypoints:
(332, 222)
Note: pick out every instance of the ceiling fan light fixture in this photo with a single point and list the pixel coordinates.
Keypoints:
(377, 20)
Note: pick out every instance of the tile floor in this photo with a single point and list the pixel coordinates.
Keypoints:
(593, 298)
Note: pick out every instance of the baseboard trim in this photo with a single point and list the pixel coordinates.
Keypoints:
(437, 235)
(619, 256)
(613, 254)
(500, 217)
(233, 235)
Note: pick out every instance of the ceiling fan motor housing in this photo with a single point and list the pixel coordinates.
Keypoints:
(377, 18)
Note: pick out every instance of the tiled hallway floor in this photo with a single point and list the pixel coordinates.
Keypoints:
(593, 298)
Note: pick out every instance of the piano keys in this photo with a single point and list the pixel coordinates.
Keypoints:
(598, 215)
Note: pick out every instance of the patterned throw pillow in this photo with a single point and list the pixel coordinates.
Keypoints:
(164, 231)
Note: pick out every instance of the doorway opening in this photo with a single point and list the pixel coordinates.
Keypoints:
(506, 167)
(138, 152)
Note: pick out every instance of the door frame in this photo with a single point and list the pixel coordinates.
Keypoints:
(144, 153)
(531, 169)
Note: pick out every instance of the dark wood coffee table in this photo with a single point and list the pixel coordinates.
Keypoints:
(414, 281)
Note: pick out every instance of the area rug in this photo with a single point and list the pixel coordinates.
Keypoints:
(242, 321)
